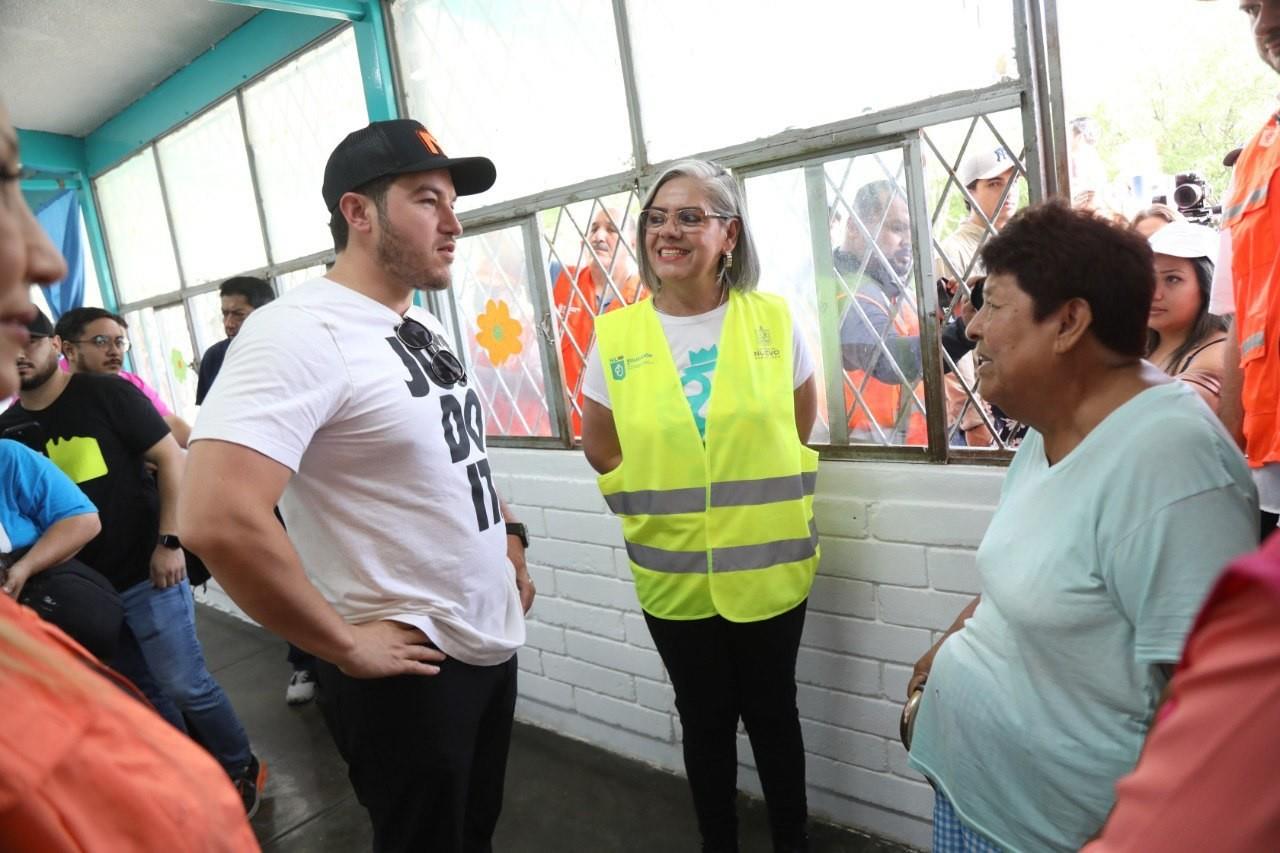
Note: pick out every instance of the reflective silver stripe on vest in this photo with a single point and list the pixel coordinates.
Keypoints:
(671, 562)
(1251, 343)
(739, 558)
(1229, 213)
(658, 501)
(743, 558)
(729, 493)
(763, 491)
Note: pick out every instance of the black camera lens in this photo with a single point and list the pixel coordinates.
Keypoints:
(975, 293)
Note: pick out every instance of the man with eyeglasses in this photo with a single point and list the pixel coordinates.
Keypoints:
(94, 341)
(405, 576)
(102, 433)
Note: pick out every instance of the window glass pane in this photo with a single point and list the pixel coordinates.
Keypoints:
(537, 87)
(92, 287)
(163, 356)
(589, 248)
(287, 281)
(296, 116)
(875, 294)
(817, 63)
(137, 230)
(210, 192)
(985, 154)
(491, 286)
(206, 316)
(778, 215)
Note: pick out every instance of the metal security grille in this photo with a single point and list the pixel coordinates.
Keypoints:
(589, 252)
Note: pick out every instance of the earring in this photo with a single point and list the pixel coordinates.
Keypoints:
(728, 260)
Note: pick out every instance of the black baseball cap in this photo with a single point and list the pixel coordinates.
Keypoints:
(398, 147)
(40, 327)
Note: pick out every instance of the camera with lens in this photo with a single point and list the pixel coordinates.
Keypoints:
(1191, 195)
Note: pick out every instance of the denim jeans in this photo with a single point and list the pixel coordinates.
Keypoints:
(160, 653)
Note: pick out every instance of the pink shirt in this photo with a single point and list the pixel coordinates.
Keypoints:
(137, 382)
(1206, 778)
(134, 378)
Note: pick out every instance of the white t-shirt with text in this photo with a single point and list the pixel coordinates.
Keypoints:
(391, 506)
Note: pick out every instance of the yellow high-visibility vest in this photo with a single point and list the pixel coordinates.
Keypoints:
(726, 526)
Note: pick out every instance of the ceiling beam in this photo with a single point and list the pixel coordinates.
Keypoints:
(341, 10)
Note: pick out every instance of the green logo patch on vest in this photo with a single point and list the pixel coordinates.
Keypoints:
(618, 367)
(764, 347)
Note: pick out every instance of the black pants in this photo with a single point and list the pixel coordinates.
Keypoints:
(1268, 525)
(724, 670)
(426, 755)
(298, 659)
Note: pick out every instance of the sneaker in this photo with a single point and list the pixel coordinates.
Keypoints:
(250, 784)
(302, 687)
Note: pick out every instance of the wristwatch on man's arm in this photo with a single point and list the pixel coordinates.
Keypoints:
(518, 530)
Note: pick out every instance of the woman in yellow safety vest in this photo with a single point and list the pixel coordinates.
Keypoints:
(697, 404)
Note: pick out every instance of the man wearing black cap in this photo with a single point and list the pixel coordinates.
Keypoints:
(102, 433)
(342, 402)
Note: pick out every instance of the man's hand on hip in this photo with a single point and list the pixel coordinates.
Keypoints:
(389, 648)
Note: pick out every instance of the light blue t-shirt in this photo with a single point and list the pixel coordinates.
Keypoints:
(1092, 572)
(36, 495)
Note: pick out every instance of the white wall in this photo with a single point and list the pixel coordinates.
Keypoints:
(897, 565)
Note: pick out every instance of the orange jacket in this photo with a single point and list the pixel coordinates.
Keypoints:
(86, 766)
(1253, 215)
(576, 304)
(888, 403)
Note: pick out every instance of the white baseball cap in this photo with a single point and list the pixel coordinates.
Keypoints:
(1186, 240)
(984, 165)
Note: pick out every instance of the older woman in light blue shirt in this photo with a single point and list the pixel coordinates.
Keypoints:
(1120, 508)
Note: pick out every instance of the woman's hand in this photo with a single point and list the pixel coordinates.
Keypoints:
(920, 674)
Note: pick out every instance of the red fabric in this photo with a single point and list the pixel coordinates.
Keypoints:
(1206, 778)
(1253, 214)
(576, 303)
(86, 766)
(884, 400)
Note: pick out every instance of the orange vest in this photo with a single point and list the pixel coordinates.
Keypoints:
(890, 404)
(86, 766)
(1255, 265)
(575, 300)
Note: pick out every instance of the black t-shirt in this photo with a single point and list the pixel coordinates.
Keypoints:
(97, 432)
(210, 364)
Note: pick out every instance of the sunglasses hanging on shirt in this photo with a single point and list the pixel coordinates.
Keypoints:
(444, 366)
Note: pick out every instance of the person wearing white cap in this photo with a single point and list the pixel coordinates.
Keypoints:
(985, 174)
(1186, 340)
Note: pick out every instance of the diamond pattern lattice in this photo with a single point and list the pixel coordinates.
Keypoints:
(961, 227)
(491, 289)
(879, 326)
(590, 253)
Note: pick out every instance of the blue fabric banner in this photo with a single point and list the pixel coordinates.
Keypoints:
(60, 219)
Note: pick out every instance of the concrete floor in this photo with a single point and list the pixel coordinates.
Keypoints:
(561, 794)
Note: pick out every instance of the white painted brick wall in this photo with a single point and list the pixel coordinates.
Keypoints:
(897, 565)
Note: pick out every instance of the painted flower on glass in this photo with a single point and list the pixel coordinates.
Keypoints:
(179, 364)
(499, 333)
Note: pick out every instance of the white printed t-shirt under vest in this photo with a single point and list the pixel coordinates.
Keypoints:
(392, 506)
(694, 342)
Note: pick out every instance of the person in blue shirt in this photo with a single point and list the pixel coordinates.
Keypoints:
(1119, 510)
(44, 518)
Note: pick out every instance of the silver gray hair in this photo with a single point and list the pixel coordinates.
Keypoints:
(725, 199)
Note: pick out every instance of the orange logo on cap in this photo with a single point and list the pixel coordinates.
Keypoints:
(430, 141)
